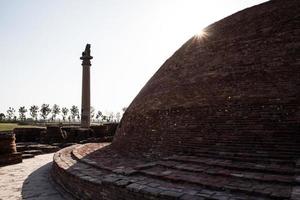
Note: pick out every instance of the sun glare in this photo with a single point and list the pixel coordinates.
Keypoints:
(201, 34)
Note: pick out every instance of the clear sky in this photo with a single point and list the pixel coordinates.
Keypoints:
(41, 42)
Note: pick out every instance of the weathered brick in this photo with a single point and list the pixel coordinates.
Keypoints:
(219, 120)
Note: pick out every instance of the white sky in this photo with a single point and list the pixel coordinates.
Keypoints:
(41, 42)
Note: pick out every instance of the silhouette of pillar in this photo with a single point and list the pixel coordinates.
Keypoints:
(85, 99)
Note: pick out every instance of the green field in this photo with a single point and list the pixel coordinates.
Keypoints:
(11, 126)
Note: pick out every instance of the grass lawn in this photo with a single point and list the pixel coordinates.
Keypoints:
(11, 126)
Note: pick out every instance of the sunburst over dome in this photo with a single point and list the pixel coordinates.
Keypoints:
(239, 76)
(219, 120)
(201, 34)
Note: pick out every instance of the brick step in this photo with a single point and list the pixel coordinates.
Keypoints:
(240, 155)
(270, 151)
(288, 145)
(256, 146)
(246, 149)
(244, 157)
(267, 168)
(91, 163)
(27, 156)
(86, 182)
(194, 127)
(284, 149)
(260, 138)
(258, 155)
(216, 182)
(35, 146)
(221, 171)
(238, 121)
(82, 154)
(246, 125)
(246, 135)
(246, 146)
(280, 144)
(34, 152)
(281, 131)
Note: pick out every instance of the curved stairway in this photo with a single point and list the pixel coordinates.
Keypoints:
(95, 171)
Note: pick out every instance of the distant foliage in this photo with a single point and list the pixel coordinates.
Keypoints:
(11, 113)
(99, 115)
(104, 118)
(22, 111)
(45, 111)
(2, 116)
(64, 112)
(33, 110)
(74, 112)
(110, 117)
(55, 111)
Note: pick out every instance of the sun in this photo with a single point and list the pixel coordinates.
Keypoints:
(201, 34)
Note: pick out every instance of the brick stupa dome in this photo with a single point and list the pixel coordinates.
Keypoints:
(219, 120)
(241, 78)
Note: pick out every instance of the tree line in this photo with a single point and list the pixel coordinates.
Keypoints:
(45, 112)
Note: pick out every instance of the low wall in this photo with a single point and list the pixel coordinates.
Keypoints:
(105, 130)
(68, 134)
(28, 134)
(56, 134)
(77, 134)
(8, 151)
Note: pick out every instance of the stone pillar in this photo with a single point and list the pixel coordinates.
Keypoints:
(86, 100)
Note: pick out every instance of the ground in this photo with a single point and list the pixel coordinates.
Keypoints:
(11, 126)
(28, 180)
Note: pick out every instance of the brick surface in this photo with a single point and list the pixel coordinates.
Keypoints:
(219, 120)
(176, 177)
(239, 84)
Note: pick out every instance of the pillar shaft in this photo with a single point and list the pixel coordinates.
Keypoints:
(86, 97)
(86, 88)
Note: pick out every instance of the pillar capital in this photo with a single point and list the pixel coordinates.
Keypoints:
(86, 56)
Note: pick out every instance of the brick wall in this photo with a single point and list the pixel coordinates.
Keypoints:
(240, 82)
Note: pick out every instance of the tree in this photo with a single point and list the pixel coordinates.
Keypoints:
(74, 112)
(64, 111)
(55, 111)
(45, 111)
(104, 118)
(118, 116)
(22, 111)
(92, 113)
(2, 116)
(111, 117)
(99, 114)
(34, 111)
(11, 113)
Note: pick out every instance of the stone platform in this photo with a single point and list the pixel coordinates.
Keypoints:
(96, 171)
